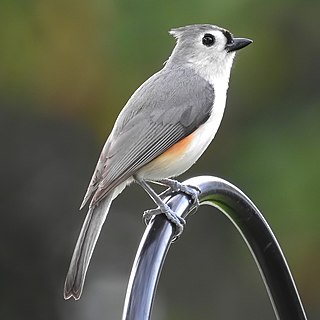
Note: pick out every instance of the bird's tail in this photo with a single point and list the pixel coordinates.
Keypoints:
(84, 248)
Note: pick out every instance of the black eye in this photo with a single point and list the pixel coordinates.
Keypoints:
(208, 40)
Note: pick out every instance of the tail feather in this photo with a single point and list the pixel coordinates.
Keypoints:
(84, 248)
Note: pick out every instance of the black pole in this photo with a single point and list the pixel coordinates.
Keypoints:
(250, 223)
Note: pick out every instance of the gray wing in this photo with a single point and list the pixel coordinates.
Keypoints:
(166, 108)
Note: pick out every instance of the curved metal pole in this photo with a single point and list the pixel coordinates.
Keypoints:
(250, 223)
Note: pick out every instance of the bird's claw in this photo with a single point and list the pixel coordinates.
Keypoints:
(148, 214)
(178, 221)
(192, 191)
(174, 187)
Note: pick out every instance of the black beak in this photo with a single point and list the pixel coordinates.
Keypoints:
(238, 43)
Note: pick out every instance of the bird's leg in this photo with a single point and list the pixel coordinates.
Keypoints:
(176, 186)
(179, 222)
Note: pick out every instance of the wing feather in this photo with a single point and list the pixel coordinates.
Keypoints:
(165, 109)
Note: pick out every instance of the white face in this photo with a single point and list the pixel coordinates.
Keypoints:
(205, 51)
(210, 53)
(210, 45)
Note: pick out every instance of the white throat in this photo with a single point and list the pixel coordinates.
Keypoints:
(215, 72)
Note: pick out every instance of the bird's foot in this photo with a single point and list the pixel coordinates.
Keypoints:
(178, 221)
(176, 186)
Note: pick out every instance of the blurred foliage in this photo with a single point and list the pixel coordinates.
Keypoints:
(67, 69)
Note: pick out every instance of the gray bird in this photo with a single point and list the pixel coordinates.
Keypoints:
(160, 133)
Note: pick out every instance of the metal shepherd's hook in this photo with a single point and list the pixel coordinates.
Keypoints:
(249, 222)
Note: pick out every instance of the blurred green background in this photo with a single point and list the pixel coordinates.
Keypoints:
(66, 70)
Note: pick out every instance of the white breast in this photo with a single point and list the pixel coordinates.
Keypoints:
(167, 166)
(170, 166)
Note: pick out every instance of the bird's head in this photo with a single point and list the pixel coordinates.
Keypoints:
(206, 48)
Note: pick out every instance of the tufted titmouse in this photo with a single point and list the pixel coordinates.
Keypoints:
(161, 132)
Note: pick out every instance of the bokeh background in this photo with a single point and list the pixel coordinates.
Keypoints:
(66, 70)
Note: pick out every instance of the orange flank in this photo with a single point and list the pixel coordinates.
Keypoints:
(178, 148)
